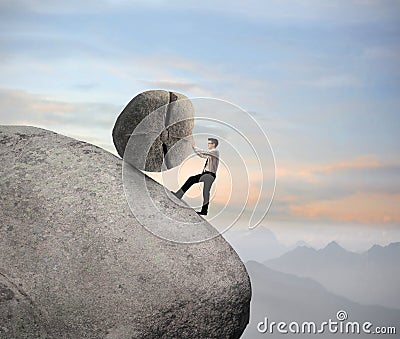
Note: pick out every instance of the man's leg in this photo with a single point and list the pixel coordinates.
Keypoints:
(208, 180)
(189, 182)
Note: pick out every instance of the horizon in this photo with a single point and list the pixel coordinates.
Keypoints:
(235, 237)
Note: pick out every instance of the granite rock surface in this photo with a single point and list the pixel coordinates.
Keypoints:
(163, 138)
(76, 263)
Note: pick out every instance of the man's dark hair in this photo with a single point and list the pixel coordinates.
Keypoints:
(214, 141)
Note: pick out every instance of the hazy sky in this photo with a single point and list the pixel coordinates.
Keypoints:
(321, 77)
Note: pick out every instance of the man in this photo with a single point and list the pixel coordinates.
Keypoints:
(207, 176)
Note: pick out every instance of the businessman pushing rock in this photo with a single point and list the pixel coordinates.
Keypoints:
(207, 176)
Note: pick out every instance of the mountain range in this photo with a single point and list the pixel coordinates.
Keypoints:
(371, 277)
(286, 297)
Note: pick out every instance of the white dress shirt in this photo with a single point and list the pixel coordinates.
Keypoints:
(212, 157)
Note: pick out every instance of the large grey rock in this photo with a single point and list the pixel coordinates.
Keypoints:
(75, 263)
(169, 121)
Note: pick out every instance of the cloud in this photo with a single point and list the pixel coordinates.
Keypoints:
(91, 122)
(366, 161)
(344, 190)
(73, 6)
(195, 78)
(310, 173)
(28, 108)
(339, 179)
(371, 208)
(175, 85)
(382, 52)
(338, 81)
(385, 56)
(351, 11)
(309, 12)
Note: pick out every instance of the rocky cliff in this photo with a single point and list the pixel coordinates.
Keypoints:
(75, 262)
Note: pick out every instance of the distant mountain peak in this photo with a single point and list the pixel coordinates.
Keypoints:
(333, 243)
(333, 246)
(266, 231)
(301, 250)
(392, 249)
(375, 247)
(301, 243)
(394, 245)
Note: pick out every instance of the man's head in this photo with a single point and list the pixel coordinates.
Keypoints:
(212, 143)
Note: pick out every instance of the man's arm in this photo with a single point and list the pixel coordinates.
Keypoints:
(203, 153)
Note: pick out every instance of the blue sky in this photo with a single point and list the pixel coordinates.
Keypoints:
(321, 77)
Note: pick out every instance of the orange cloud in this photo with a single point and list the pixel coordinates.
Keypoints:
(366, 208)
(309, 172)
(365, 161)
(373, 208)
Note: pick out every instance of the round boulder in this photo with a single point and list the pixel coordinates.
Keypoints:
(169, 120)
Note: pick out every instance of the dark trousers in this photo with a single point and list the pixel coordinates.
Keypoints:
(207, 178)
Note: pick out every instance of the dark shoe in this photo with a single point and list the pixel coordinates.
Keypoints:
(174, 193)
(201, 213)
